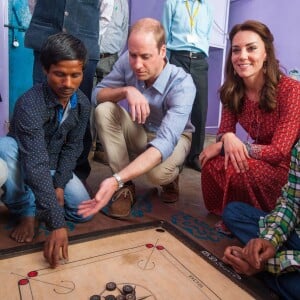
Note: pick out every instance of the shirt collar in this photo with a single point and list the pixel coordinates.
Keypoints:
(53, 98)
(161, 81)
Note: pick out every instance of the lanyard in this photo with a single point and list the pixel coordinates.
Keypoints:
(191, 14)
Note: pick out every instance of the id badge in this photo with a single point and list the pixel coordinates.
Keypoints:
(191, 38)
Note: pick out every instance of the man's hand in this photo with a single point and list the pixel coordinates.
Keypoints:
(258, 251)
(60, 196)
(236, 152)
(138, 104)
(233, 256)
(106, 190)
(57, 240)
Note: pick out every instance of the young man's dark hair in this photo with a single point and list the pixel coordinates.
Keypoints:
(44, 142)
(62, 46)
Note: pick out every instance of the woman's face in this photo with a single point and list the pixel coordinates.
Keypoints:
(248, 54)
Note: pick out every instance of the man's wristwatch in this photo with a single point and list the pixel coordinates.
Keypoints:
(119, 180)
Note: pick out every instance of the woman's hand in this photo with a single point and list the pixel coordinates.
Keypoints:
(235, 151)
(210, 152)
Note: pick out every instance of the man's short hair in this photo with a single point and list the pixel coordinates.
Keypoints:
(62, 46)
(150, 25)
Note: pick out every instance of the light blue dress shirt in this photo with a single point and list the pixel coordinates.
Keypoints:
(176, 21)
(113, 25)
(170, 98)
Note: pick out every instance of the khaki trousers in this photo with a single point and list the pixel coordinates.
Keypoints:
(123, 140)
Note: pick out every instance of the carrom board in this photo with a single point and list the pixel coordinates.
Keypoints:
(156, 259)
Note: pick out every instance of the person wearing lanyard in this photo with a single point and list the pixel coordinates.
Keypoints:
(188, 25)
(113, 26)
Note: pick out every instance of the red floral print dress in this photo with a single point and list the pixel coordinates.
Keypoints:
(273, 136)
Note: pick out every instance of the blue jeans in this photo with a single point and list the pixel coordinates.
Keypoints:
(242, 220)
(19, 198)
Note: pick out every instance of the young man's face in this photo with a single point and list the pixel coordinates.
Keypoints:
(64, 78)
(146, 60)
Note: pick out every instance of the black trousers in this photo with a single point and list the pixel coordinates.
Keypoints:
(198, 68)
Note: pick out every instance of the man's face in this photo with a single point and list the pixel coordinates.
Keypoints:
(64, 78)
(146, 60)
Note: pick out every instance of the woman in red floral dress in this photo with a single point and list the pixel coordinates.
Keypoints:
(266, 103)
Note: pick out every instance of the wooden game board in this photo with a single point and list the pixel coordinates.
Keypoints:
(154, 258)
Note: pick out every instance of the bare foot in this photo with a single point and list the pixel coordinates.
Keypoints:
(24, 231)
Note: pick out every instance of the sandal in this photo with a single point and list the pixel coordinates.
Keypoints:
(222, 228)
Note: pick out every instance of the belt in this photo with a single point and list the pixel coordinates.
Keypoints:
(104, 55)
(195, 55)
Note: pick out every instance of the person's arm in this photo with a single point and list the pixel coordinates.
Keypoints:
(210, 152)
(234, 256)
(116, 80)
(125, 14)
(287, 127)
(29, 133)
(141, 165)
(106, 11)
(28, 130)
(167, 17)
(277, 226)
(138, 105)
(56, 247)
(235, 150)
(116, 86)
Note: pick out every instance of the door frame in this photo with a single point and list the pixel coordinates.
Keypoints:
(4, 69)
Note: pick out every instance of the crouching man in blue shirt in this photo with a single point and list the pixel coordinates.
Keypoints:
(44, 142)
(154, 137)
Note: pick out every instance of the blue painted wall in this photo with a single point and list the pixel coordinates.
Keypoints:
(20, 58)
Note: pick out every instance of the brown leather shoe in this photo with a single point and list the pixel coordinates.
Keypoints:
(170, 192)
(122, 202)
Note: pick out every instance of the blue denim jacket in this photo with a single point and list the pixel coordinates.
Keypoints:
(77, 17)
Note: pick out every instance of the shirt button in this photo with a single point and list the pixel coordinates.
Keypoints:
(66, 13)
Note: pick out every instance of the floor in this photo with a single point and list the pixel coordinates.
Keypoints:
(190, 198)
(190, 203)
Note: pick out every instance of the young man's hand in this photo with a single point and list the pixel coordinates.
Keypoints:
(234, 256)
(56, 247)
(258, 251)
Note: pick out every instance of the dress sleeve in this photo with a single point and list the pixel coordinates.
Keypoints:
(288, 126)
(228, 123)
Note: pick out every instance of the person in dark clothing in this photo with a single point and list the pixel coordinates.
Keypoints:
(44, 142)
(81, 19)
